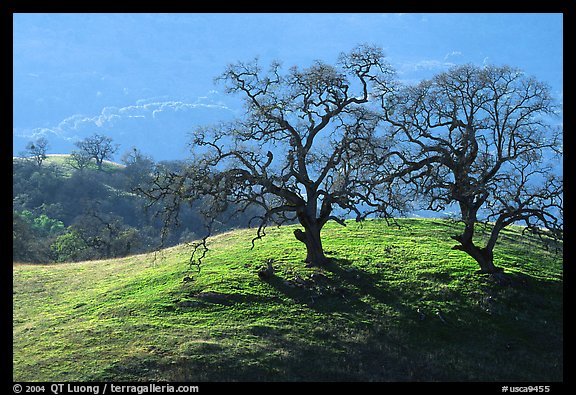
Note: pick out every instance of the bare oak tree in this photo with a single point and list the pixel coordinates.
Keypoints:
(483, 139)
(309, 149)
(97, 147)
(36, 150)
(79, 159)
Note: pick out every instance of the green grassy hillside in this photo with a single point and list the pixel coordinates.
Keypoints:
(61, 161)
(394, 305)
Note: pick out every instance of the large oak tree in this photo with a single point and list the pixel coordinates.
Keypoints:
(308, 149)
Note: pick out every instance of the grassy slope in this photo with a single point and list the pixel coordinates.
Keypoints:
(61, 162)
(372, 315)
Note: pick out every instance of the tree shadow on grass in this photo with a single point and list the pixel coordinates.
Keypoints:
(338, 286)
(362, 344)
(278, 355)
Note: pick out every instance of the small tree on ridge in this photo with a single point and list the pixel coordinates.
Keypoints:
(98, 147)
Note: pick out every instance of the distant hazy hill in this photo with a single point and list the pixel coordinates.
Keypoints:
(157, 128)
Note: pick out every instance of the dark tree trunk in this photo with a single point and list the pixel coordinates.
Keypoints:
(484, 257)
(311, 234)
(314, 250)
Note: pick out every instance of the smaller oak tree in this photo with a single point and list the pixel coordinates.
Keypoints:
(483, 138)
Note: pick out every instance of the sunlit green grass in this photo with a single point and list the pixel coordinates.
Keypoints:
(395, 304)
(61, 162)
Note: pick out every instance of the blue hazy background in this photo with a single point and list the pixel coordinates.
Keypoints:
(146, 80)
